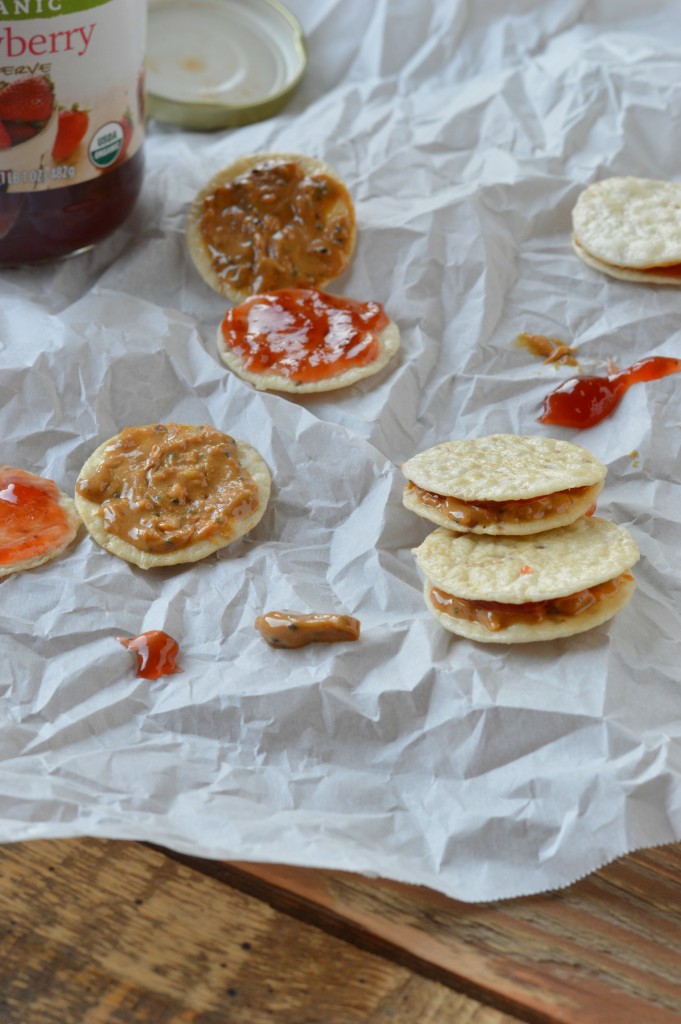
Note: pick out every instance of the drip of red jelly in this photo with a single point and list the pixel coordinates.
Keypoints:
(32, 520)
(304, 334)
(156, 653)
(583, 402)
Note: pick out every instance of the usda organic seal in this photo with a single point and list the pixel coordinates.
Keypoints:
(106, 144)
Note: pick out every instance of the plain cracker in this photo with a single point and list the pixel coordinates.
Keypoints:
(659, 275)
(630, 223)
(504, 467)
(562, 561)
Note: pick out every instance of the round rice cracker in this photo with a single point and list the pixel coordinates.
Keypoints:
(562, 562)
(670, 275)
(630, 228)
(389, 344)
(200, 250)
(250, 460)
(523, 633)
(9, 474)
(504, 467)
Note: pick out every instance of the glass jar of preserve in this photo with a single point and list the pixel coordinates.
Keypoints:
(71, 123)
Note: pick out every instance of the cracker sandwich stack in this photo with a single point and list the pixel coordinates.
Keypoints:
(630, 229)
(518, 555)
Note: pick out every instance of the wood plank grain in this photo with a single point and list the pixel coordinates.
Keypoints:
(97, 932)
(612, 940)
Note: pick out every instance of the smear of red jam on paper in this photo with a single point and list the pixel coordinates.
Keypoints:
(32, 520)
(156, 653)
(304, 334)
(583, 402)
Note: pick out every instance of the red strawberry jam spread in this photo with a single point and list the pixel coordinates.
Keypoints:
(488, 513)
(672, 270)
(32, 521)
(583, 402)
(275, 225)
(162, 486)
(303, 334)
(496, 615)
(296, 629)
(156, 653)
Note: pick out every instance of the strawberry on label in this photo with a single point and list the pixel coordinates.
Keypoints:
(71, 127)
(28, 99)
(5, 137)
(20, 131)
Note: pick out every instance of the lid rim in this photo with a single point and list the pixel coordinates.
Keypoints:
(209, 115)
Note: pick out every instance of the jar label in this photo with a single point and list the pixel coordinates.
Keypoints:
(71, 89)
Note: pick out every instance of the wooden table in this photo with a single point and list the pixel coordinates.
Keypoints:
(104, 932)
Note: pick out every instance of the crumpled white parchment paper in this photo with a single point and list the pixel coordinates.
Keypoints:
(464, 132)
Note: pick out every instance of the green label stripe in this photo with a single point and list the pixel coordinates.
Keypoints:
(23, 10)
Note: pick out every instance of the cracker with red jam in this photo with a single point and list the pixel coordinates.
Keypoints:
(270, 221)
(630, 229)
(167, 493)
(509, 590)
(37, 520)
(503, 484)
(303, 340)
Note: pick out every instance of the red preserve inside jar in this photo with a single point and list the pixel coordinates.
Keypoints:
(71, 124)
(37, 226)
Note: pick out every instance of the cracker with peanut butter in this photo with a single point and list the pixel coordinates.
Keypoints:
(269, 221)
(508, 590)
(303, 340)
(166, 493)
(503, 484)
(630, 229)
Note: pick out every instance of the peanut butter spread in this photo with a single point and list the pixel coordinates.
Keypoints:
(496, 615)
(165, 486)
(294, 629)
(488, 513)
(552, 350)
(275, 226)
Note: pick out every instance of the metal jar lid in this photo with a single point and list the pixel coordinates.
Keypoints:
(221, 63)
